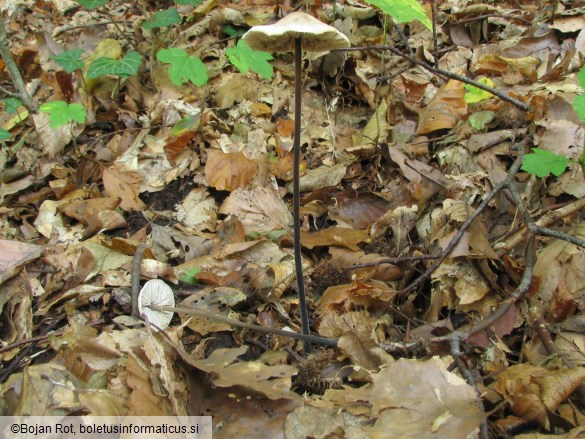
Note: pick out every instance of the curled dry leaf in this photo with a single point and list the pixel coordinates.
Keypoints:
(445, 110)
(125, 185)
(370, 295)
(531, 390)
(354, 331)
(338, 236)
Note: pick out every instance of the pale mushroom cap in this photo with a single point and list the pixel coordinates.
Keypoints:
(280, 36)
(156, 292)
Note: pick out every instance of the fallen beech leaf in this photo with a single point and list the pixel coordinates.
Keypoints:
(371, 294)
(259, 209)
(360, 209)
(13, 255)
(339, 236)
(445, 110)
(81, 210)
(229, 171)
(124, 185)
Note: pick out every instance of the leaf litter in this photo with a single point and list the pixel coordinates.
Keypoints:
(446, 321)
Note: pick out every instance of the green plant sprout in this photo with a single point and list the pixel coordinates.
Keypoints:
(403, 10)
(92, 4)
(4, 135)
(61, 113)
(245, 59)
(542, 162)
(184, 68)
(165, 18)
(123, 67)
(474, 95)
(70, 60)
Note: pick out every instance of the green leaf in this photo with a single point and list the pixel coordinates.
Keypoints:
(403, 10)
(231, 31)
(165, 18)
(61, 113)
(479, 120)
(11, 105)
(70, 60)
(183, 67)
(189, 276)
(579, 106)
(474, 94)
(189, 2)
(127, 66)
(4, 135)
(246, 59)
(92, 4)
(581, 77)
(189, 123)
(541, 163)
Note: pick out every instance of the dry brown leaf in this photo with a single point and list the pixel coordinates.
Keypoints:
(360, 209)
(82, 210)
(445, 110)
(123, 184)
(338, 236)
(370, 294)
(382, 271)
(272, 381)
(13, 255)
(259, 209)
(229, 171)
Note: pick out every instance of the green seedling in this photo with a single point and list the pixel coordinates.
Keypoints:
(61, 113)
(190, 276)
(92, 4)
(245, 59)
(403, 10)
(11, 105)
(543, 162)
(165, 18)
(70, 60)
(474, 94)
(4, 135)
(184, 68)
(124, 67)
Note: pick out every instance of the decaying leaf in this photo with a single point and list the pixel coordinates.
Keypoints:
(445, 110)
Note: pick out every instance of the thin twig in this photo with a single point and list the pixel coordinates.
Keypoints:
(238, 324)
(442, 72)
(14, 72)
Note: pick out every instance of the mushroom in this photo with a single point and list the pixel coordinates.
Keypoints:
(297, 31)
(156, 292)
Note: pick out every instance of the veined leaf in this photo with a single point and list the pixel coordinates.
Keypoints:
(183, 67)
(126, 66)
(11, 105)
(403, 10)
(92, 4)
(541, 163)
(474, 94)
(246, 59)
(70, 60)
(165, 18)
(4, 135)
(61, 113)
(579, 106)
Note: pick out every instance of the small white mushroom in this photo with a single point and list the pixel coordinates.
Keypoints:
(156, 292)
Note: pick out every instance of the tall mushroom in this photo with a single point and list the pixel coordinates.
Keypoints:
(297, 31)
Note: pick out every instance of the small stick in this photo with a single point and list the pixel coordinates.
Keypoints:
(232, 322)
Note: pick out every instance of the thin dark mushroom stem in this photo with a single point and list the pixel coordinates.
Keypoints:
(297, 198)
